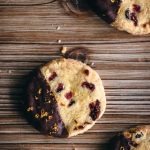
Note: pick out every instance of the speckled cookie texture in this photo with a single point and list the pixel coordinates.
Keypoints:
(65, 97)
(132, 16)
(137, 138)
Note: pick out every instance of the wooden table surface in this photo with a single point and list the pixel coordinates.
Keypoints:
(31, 36)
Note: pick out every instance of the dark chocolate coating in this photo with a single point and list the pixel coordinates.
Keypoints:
(78, 53)
(80, 5)
(41, 107)
(119, 142)
(106, 9)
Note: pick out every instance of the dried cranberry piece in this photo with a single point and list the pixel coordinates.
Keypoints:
(53, 76)
(60, 87)
(69, 95)
(134, 18)
(136, 8)
(86, 71)
(88, 85)
(95, 109)
(131, 16)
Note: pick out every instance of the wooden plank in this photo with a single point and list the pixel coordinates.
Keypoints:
(106, 119)
(39, 25)
(53, 146)
(29, 37)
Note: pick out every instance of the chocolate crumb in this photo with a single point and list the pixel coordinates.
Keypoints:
(86, 71)
(75, 121)
(80, 127)
(75, 128)
(144, 25)
(71, 103)
(138, 135)
(77, 53)
(127, 13)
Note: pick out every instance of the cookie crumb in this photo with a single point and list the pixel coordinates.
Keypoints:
(58, 28)
(63, 50)
(9, 71)
(59, 41)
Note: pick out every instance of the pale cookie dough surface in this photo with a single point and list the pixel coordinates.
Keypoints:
(65, 97)
(137, 138)
(134, 17)
(85, 102)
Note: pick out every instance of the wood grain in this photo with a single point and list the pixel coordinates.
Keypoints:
(29, 38)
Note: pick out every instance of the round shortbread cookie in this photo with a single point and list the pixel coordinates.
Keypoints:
(132, 16)
(65, 97)
(137, 138)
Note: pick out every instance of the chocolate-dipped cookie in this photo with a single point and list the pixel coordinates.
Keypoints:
(65, 97)
(132, 16)
(137, 138)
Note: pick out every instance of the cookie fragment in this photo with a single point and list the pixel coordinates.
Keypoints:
(131, 16)
(137, 138)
